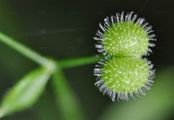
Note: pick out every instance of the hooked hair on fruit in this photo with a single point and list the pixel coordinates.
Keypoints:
(123, 73)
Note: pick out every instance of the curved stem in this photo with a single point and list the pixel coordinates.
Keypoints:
(25, 51)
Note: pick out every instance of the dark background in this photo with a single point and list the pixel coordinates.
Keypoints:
(65, 29)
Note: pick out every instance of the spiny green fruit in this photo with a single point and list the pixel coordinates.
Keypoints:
(125, 35)
(124, 39)
(123, 77)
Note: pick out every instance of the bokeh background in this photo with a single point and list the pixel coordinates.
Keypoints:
(65, 29)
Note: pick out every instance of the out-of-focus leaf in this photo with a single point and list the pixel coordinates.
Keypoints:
(66, 100)
(156, 105)
(26, 92)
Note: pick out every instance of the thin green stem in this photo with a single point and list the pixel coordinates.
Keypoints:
(74, 62)
(66, 100)
(22, 49)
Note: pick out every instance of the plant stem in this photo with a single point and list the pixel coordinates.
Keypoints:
(34, 56)
(25, 51)
(66, 100)
(74, 62)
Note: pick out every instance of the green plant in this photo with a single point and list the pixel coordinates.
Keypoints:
(135, 75)
(123, 41)
(27, 91)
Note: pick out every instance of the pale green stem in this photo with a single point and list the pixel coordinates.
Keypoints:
(27, 52)
(22, 49)
(74, 62)
(66, 100)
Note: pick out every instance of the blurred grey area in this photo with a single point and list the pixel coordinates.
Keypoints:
(64, 29)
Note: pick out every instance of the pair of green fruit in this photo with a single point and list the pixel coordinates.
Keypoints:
(123, 40)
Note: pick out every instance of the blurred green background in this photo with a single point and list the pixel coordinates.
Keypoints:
(65, 29)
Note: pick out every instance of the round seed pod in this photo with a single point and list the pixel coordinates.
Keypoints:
(123, 77)
(125, 35)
